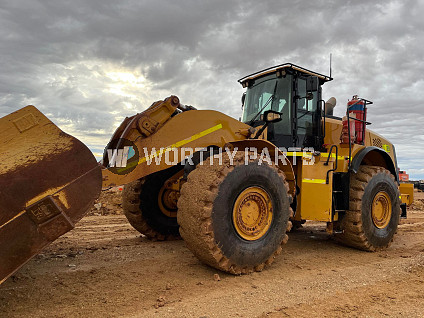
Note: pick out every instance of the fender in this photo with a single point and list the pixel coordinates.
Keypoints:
(362, 154)
(285, 165)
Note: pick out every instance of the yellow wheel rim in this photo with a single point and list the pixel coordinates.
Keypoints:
(167, 200)
(381, 210)
(252, 213)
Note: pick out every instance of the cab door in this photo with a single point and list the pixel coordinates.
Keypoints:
(307, 116)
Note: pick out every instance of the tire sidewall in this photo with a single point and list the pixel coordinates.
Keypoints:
(376, 236)
(237, 249)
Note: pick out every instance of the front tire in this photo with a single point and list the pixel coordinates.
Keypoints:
(147, 210)
(374, 210)
(235, 217)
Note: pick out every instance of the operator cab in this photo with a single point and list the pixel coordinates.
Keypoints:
(293, 91)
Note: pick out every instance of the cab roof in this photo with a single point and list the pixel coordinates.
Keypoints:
(280, 68)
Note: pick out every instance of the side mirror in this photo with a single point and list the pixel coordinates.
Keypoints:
(271, 116)
(243, 97)
(312, 84)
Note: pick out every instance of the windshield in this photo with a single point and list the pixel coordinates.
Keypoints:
(258, 95)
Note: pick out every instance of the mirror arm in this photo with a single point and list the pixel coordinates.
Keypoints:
(260, 131)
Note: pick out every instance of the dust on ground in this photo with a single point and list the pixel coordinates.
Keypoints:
(104, 268)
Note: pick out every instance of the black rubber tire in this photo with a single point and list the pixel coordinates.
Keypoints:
(205, 214)
(358, 229)
(141, 207)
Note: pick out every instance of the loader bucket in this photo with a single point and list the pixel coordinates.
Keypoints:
(48, 181)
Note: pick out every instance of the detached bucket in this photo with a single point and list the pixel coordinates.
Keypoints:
(48, 181)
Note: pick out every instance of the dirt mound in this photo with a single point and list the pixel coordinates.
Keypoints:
(417, 205)
(109, 202)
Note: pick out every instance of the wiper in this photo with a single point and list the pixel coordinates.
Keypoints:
(271, 98)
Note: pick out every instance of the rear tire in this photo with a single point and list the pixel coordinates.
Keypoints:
(235, 217)
(140, 200)
(374, 210)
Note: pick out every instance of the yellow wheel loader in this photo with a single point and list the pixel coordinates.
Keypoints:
(231, 188)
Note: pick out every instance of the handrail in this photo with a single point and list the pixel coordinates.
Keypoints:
(328, 159)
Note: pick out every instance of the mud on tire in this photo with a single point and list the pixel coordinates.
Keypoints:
(141, 207)
(361, 227)
(206, 214)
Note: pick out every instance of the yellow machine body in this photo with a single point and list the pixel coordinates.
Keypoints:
(168, 135)
(407, 193)
(315, 198)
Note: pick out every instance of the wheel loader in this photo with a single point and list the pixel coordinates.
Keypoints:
(232, 189)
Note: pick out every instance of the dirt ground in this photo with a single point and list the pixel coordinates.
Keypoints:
(104, 268)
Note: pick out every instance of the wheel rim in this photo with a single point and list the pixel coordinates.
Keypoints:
(381, 210)
(167, 200)
(252, 213)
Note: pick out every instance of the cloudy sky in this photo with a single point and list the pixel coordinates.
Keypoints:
(89, 63)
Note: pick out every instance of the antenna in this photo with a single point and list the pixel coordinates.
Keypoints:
(330, 63)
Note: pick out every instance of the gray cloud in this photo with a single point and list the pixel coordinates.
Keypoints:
(88, 64)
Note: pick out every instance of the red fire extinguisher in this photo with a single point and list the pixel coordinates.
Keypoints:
(357, 106)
